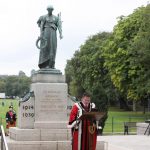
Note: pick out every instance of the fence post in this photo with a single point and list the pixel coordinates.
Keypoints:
(129, 119)
(112, 124)
(0, 120)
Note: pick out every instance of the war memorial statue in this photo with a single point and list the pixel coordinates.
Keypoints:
(48, 38)
(42, 113)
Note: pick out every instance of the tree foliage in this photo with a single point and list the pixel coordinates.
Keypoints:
(86, 71)
(127, 54)
(15, 85)
(114, 65)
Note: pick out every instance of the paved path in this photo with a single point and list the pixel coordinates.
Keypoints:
(127, 142)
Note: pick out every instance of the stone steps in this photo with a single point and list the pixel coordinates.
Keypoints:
(47, 145)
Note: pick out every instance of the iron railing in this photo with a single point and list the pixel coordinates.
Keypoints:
(4, 145)
(115, 124)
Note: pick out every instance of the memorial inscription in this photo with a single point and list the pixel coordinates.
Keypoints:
(28, 111)
(52, 101)
(26, 114)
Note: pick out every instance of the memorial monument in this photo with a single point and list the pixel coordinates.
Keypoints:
(42, 114)
(42, 117)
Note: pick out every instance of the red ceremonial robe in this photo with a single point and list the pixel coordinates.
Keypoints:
(82, 138)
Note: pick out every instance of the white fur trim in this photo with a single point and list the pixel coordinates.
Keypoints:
(93, 105)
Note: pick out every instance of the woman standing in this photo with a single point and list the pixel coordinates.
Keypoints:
(48, 27)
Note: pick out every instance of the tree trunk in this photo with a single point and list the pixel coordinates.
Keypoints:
(123, 104)
(134, 106)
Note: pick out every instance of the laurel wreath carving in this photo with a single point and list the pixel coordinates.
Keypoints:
(44, 43)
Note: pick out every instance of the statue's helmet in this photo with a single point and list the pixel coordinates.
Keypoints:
(50, 7)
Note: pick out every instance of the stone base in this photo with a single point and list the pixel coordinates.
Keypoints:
(39, 134)
(38, 145)
(43, 120)
(47, 145)
(141, 128)
(48, 76)
(50, 124)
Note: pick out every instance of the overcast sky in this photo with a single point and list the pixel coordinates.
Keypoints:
(81, 18)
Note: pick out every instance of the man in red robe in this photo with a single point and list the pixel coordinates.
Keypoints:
(84, 132)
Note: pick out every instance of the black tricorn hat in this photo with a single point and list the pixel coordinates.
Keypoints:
(10, 106)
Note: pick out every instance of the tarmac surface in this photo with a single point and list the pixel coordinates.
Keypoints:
(126, 142)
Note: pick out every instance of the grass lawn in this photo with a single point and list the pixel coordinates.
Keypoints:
(114, 123)
(116, 119)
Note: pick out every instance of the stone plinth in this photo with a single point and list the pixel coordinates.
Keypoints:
(141, 128)
(47, 145)
(26, 115)
(18, 134)
(50, 101)
(39, 145)
(40, 134)
(43, 118)
(42, 121)
(51, 124)
(48, 76)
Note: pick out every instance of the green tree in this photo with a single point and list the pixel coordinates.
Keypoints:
(2, 85)
(17, 85)
(23, 85)
(127, 54)
(11, 86)
(86, 72)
